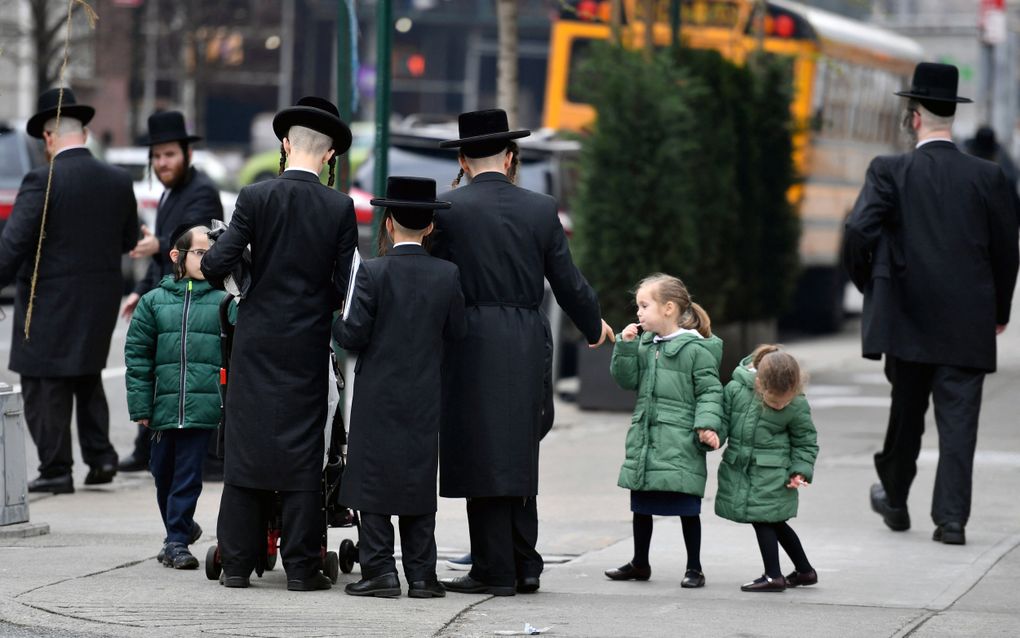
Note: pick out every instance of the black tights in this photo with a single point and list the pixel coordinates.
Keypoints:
(643, 539)
(770, 536)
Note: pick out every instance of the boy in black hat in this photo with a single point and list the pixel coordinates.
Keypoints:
(404, 305)
(191, 199)
(302, 236)
(932, 244)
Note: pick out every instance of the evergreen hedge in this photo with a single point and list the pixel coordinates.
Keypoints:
(686, 172)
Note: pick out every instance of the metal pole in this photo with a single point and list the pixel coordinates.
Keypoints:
(285, 87)
(383, 29)
(151, 22)
(344, 90)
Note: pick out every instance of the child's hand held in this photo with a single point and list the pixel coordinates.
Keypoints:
(709, 438)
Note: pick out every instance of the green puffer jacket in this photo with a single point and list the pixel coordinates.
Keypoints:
(174, 381)
(766, 447)
(678, 388)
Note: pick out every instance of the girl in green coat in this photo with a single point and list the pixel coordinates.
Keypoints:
(770, 454)
(674, 366)
(173, 361)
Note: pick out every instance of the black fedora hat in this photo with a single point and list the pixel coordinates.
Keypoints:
(935, 85)
(168, 126)
(317, 114)
(482, 128)
(46, 110)
(411, 201)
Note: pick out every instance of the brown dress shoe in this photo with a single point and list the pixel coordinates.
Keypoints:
(765, 585)
(801, 579)
(629, 572)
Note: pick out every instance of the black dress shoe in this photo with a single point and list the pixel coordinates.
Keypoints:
(133, 463)
(239, 582)
(951, 533)
(896, 518)
(693, 579)
(425, 589)
(629, 572)
(101, 474)
(765, 585)
(468, 585)
(314, 583)
(385, 586)
(55, 485)
(528, 585)
(801, 579)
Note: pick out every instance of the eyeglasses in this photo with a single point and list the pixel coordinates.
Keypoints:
(199, 252)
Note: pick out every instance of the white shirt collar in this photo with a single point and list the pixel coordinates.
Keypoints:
(68, 148)
(933, 139)
(298, 168)
(673, 335)
(407, 243)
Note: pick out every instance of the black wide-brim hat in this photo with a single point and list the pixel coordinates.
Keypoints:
(935, 85)
(46, 110)
(482, 128)
(411, 201)
(318, 114)
(168, 126)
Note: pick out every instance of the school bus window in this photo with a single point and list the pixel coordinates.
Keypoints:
(580, 48)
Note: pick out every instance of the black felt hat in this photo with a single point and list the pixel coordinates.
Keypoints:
(318, 114)
(411, 201)
(934, 86)
(168, 126)
(46, 110)
(483, 133)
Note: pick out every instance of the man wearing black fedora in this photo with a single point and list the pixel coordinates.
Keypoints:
(404, 305)
(91, 220)
(190, 199)
(506, 240)
(932, 244)
(302, 235)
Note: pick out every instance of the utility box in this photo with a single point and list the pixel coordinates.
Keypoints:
(14, 472)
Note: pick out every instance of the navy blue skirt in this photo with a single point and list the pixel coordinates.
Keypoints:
(665, 503)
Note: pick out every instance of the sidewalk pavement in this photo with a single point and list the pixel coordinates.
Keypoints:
(94, 574)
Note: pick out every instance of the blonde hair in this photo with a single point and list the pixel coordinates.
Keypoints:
(68, 125)
(665, 288)
(778, 371)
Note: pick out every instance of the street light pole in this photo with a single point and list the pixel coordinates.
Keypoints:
(344, 83)
(383, 28)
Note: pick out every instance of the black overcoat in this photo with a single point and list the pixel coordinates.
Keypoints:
(302, 237)
(505, 240)
(932, 244)
(404, 306)
(91, 221)
(195, 202)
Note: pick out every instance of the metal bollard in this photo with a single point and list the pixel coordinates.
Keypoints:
(14, 473)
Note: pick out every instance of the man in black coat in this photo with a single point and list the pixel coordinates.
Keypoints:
(932, 243)
(403, 307)
(506, 240)
(302, 236)
(190, 199)
(91, 221)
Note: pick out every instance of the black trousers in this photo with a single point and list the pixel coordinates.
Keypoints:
(956, 393)
(48, 405)
(241, 529)
(504, 531)
(417, 546)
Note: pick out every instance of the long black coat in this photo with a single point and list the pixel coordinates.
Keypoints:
(195, 202)
(932, 244)
(505, 240)
(405, 304)
(302, 237)
(92, 220)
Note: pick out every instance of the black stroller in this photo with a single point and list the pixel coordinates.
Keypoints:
(337, 515)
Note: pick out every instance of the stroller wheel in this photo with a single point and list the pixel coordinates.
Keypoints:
(212, 563)
(332, 566)
(348, 555)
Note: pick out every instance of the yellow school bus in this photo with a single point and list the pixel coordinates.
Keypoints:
(843, 110)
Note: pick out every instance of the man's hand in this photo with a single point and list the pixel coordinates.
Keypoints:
(796, 481)
(709, 438)
(143, 422)
(630, 333)
(129, 306)
(607, 333)
(147, 246)
(1000, 328)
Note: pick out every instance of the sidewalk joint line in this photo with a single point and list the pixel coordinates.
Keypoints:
(458, 615)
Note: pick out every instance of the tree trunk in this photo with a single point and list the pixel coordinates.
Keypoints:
(648, 19)
(506, 12)
(615, 18)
